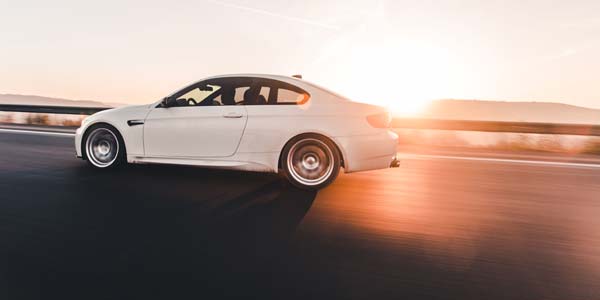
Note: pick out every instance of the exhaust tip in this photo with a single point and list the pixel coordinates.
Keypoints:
(395, 163)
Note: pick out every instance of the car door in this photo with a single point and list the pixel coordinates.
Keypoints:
(280, 109)
(204, 128)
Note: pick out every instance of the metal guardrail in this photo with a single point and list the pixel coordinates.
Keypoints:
(497, 126)
(404, 123)
(47, 109)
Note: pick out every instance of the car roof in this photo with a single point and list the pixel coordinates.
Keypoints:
(288, 79)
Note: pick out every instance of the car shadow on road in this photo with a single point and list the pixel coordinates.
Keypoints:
(149, 229)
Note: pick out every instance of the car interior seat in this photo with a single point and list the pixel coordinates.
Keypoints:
(227, 96)
(250, 97)
(261, 100)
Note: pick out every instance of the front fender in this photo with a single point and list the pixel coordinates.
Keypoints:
(133, 135)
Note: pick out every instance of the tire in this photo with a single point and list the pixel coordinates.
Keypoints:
(104, 147)
(310, 161)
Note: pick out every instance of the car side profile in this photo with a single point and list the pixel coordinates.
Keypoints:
(263, 123)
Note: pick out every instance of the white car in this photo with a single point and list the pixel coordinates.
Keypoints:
(248, 122)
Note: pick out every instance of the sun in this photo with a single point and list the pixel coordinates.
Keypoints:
(412, 107)
(405, 77)
(413, 76)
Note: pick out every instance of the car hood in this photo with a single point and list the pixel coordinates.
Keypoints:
(116, 115)
(123, 109)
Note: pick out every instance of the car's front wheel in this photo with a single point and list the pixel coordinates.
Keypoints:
(310, 161)
(104, 147)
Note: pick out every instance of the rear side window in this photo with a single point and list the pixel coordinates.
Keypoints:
(285, 96)
(274, 92)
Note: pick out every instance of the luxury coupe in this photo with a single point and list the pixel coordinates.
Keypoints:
(263, 123)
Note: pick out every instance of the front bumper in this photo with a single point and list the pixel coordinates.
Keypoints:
(78, 137)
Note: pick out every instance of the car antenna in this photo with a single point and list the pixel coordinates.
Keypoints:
(297, 76)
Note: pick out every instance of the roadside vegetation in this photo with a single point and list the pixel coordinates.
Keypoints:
(501, 141)
(6, 118)
(42, 119)
(71, 123)
(37, 119)
(592, 147)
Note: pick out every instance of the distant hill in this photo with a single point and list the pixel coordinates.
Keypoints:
(511, 111)
(40, 100)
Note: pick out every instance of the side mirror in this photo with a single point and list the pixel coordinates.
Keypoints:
(168, 102)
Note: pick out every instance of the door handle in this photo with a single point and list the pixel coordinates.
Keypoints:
(232, 115)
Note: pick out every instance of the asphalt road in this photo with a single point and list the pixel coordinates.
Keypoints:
(436, 228)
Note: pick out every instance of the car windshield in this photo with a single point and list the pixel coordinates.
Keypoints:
(199, 94)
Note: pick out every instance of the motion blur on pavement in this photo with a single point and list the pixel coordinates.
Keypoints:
(441, 226)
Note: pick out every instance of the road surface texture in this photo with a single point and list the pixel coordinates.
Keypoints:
(438, 227)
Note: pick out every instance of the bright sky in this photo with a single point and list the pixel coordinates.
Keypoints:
(397, 53)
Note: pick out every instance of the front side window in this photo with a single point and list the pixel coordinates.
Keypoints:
(217, 92)
(263, 97)
(240, 93)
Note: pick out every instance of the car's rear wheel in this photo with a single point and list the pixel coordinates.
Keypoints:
(310, 161)
(104, 147)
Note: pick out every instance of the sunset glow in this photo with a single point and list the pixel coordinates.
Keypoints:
(403, 77)
(399, 54)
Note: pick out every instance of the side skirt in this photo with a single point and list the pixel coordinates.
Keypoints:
(217, 164)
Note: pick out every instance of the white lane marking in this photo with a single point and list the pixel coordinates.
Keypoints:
(500, 160)
(37, 132)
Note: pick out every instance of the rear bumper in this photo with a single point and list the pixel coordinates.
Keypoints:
(369, 152)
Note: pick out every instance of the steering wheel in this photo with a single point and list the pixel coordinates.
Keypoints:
(191, 102)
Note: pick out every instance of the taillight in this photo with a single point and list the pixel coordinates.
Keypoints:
(382, 120)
